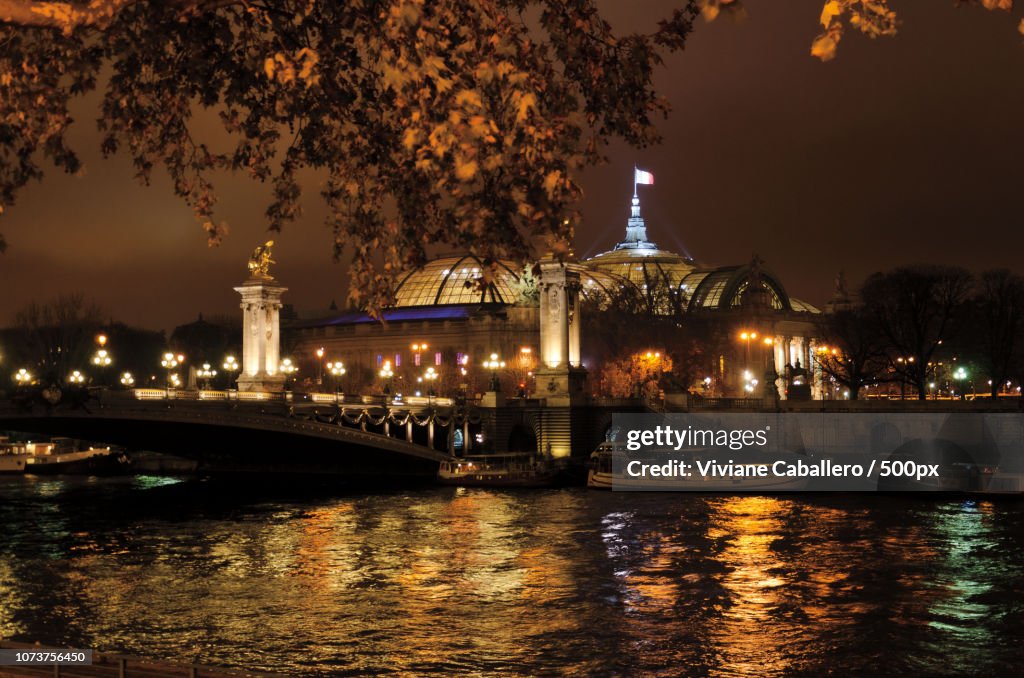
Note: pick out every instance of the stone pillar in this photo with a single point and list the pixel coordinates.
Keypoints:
(261, 334)
(559, 374)
(817, 377)
(561, 380)
(554, 314)
(780, 354)
(573, 300)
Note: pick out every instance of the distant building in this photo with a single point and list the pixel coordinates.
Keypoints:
(202, 340)
(444, 305)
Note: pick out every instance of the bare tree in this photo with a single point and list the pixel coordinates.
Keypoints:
(56, 337)
(917, 309)
(855, 356)
(997, 311)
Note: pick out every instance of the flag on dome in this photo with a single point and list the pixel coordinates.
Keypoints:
(642, 177)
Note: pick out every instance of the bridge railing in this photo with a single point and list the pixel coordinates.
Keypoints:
(287, 396)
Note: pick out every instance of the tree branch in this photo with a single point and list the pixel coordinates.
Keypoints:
(68, 16)
(63, 15)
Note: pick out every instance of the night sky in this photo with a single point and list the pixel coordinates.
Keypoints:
(901, 150)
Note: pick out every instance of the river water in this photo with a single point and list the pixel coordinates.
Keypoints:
(441, 581)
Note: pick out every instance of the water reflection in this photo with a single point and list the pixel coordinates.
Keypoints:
(491, 582)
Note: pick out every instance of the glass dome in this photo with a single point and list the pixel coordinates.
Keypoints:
(601, 287)
(454, 280)
(657, 274)
(724, 288)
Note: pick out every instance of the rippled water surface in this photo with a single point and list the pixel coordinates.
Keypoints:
(527, 582)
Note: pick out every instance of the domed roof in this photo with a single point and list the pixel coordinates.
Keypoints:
(602, 287)
(453, 280)
(658, 274)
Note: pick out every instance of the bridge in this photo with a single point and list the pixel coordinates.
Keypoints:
(367, 436)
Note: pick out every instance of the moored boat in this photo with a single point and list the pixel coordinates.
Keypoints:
(523, 469)
(61, 456)
(12, 456)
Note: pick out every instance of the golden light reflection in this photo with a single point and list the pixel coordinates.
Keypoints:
(750, 633)
(322, 557)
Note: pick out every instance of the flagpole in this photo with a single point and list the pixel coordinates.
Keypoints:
(634, 180)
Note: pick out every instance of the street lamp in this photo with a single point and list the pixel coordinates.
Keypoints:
(430, 376)
(386, 373)
(494, 364)
(127, 380)
(206, 373)
(336, 370)
(76, 377)
(416, 349)
(230, 366)
(746, 336)
(287, 368)
(169, 362)
(749, 382)
(959, 375)
(320, 365)
(102, 360)
(23, 377)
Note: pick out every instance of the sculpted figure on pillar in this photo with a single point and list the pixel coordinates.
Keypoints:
(260, 261)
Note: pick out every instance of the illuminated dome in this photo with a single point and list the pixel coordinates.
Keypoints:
(601, 287)
(658, 274)
(728, 287)
(452, 280)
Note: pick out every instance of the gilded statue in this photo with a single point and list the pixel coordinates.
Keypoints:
(260, 261)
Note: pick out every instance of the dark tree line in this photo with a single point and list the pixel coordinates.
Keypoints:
(51, 339)
(904, 323)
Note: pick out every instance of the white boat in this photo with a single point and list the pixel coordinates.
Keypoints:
(524, 469)
(12, 456)
(61, 455)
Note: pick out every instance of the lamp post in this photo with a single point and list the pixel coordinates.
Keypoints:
(749, 382)
(494, 364)
(102, 358)
(287, 368)
(76, 377)
(23, 377)
(206, 373)
(320, 366)
(418, 348)
(430, 376)
(959, 375)
(746, 336)
(337, 370)
(127, 380)
(386, 373)
(169, 362)
(230, 366)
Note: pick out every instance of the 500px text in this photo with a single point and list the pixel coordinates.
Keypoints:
(823, 468)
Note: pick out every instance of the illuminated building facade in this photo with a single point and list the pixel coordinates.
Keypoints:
(446, 307)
